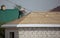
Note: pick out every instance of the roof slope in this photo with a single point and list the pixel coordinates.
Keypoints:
(40, 18)
(36, 19)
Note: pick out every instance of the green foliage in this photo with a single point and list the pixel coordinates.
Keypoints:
(2, 33)
(2, 30)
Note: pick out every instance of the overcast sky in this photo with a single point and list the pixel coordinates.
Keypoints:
(35, 5)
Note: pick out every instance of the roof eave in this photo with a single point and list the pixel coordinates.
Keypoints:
(30, 25)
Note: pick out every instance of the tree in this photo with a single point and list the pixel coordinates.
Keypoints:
(2, 31)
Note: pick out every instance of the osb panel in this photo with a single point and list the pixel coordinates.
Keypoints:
(42, 18)
(39, 18)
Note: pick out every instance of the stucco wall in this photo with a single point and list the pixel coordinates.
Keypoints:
(8, 30)
(33, 32)
(39, 33)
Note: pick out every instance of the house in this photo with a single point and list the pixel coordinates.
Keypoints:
(34, 25)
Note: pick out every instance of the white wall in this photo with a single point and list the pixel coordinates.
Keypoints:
(42, 5)
(39, 33)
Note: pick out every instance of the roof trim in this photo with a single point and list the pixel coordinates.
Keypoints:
(30, 25)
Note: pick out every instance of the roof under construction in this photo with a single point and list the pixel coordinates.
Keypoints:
(39, 18)
(36, 19)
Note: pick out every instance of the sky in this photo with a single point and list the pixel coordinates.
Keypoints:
(34, 5)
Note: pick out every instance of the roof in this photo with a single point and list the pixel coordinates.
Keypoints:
(42, 18)
(34, 18)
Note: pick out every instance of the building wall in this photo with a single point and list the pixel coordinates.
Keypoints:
(39, 32)
(8, 30)
(34, 5)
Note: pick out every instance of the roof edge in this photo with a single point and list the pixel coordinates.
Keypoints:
(30, 25)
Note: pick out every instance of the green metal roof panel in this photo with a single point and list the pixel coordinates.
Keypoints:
(8, 15)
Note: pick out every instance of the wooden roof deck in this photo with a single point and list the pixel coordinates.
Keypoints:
(39, 18)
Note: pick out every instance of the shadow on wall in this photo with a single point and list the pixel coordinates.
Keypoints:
(57, 9)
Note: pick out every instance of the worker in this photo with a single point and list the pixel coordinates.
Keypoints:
(21, 12)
